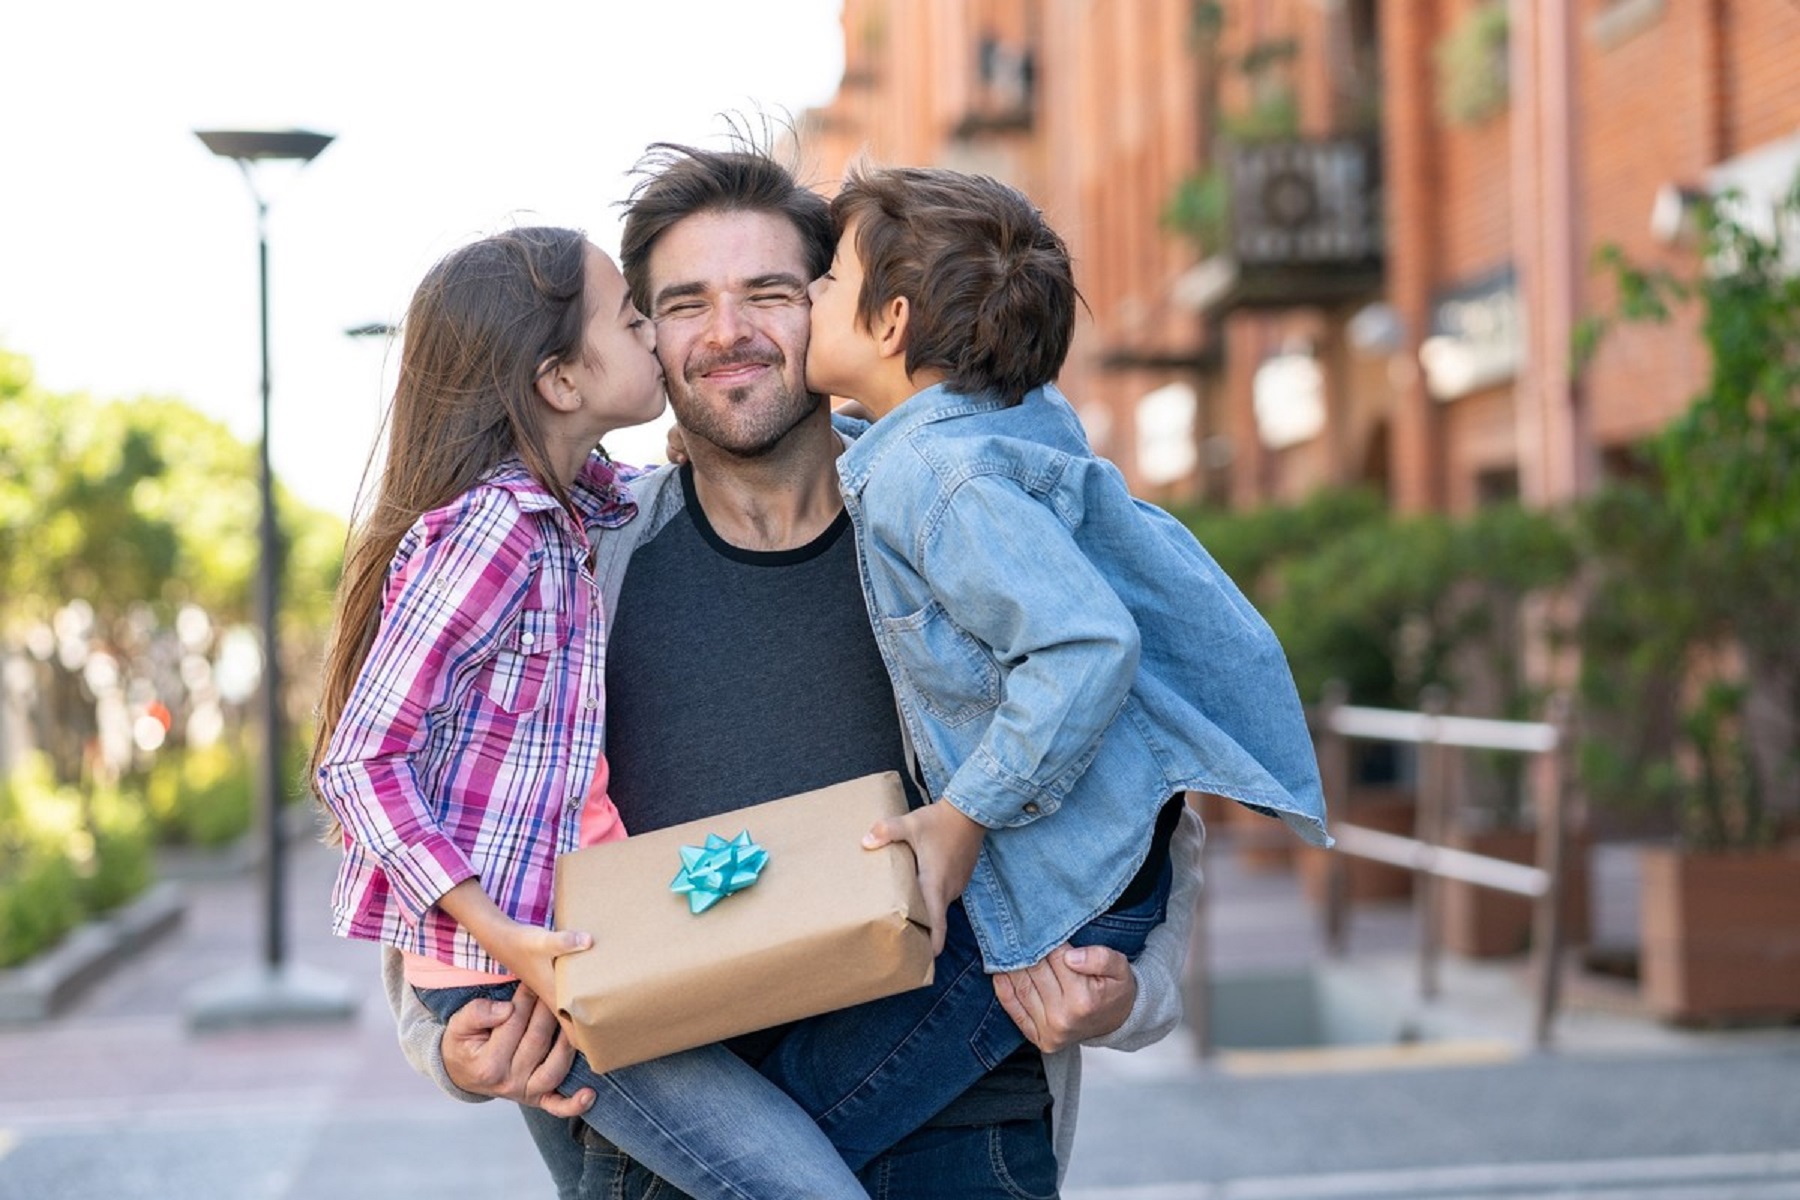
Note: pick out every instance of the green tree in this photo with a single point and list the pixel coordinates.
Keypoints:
(1689, 647)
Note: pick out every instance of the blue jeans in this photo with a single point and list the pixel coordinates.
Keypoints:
(1010, 1160)
(702, 1119)
(872, 1075)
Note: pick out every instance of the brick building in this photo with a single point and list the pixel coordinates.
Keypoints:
(1339, 241)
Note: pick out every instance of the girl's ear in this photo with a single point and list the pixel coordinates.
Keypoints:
(555, 387)
(890, 327)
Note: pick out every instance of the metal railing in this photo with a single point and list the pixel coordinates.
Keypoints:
(1439, 738)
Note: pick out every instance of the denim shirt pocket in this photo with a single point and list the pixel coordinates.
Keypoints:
(953, 676)
(517, 679)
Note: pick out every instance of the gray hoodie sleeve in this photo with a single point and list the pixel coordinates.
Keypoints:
(421, 1033)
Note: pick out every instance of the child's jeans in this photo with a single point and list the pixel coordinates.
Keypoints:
(702, 1119)
(712, 1125)
(874, 1073)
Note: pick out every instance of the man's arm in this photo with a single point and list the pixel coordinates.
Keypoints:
(490, 1048)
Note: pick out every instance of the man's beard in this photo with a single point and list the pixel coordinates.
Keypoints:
(739, 422)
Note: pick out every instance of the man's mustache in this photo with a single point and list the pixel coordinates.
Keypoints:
(772, 357)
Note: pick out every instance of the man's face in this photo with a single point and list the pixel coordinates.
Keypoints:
(728, 295)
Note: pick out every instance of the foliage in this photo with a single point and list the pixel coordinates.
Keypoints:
(1200, 209)
(200, 796)
(1393, 605)
(1691, 666)
(1390, 605)
(129, 549)
(64, 856)
(1472, 70)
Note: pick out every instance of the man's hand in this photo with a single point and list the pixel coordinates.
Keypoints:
(946, 844)
(516, 1051)
(1076, 993)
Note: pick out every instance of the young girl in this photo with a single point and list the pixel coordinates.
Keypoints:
(460, 729)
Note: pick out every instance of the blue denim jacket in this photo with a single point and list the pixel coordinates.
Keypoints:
(1054, 641)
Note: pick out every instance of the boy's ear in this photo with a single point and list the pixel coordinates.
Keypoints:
(890, 327)
(555, 387)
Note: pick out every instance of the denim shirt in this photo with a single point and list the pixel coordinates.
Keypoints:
(1058, 646)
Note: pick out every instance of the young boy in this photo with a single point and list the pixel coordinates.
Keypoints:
(1069, 660)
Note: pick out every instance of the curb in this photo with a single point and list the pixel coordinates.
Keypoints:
(36, 990)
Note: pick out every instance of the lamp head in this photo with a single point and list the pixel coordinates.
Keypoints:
(252, 145)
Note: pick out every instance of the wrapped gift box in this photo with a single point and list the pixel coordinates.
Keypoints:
(826, 925)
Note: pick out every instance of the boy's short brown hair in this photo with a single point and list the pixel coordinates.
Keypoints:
(989, 284)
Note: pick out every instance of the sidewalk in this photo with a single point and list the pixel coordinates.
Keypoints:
(116, 1098)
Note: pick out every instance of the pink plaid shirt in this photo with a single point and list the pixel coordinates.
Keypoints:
(473, 731)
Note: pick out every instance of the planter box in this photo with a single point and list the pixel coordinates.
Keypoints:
(1480, 922)
(1384, 809)
(1721, 935)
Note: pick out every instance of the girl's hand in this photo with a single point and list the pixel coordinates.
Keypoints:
(525, 950)
(945, 844)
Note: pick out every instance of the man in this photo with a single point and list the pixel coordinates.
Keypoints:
(741, 667)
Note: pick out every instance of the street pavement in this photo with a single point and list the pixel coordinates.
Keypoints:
(117, 1097)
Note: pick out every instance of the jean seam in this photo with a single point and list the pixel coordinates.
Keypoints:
(997, 1162)
(679, 1144)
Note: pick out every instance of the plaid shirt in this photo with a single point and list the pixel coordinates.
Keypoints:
(473, 731)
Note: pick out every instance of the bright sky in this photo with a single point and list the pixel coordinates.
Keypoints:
(128, 251)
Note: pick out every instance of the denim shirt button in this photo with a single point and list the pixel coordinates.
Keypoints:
(1031, 807)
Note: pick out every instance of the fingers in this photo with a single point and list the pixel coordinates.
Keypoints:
(884, 832)
(540, 1030)
(569, 941)
(1098, 961)
(479, 1043)
(567, 1107)
(1024, 1013)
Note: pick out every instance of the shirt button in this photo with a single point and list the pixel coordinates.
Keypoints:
(525, 639)
(1031, 807)
(593, 702)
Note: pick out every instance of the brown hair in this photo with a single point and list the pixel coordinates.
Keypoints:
(480, 328)
(989, 284)
(676, 182)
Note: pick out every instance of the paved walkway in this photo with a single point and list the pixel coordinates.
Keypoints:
(116, 1098)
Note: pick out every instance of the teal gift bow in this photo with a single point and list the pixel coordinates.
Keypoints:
(712, 872)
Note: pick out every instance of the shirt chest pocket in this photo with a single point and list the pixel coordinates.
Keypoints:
(953, 676)
(519, 677)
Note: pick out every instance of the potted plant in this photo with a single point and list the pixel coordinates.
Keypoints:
(1691, 670)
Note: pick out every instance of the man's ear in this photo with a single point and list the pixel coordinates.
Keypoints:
(890, 327)
(555, 387)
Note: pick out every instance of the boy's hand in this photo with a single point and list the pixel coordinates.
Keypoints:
(945, 843)
(675, 445)
(1076, 993)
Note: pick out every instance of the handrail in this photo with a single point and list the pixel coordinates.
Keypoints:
(1423, 728)
(1438, 736)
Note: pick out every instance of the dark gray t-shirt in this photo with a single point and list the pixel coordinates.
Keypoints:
(738, 676)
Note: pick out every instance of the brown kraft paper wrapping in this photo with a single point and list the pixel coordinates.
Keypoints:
(826, 925)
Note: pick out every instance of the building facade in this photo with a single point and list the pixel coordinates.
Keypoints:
(1337, 242)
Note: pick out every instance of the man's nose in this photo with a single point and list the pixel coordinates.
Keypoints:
(727, 326)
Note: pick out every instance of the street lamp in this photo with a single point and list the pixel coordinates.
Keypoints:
(277, 991)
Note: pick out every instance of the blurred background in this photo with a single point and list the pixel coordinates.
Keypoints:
(1465, 333)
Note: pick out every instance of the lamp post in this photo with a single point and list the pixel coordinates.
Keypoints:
(277, 990)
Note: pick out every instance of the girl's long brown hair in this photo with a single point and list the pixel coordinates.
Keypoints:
(482, 326)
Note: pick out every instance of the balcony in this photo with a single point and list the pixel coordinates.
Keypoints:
(1302, 226)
